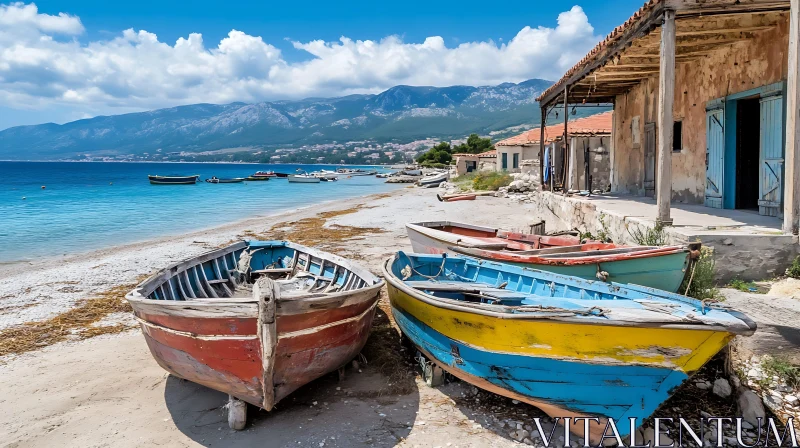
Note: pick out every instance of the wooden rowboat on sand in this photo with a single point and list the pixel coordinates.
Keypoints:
(662, 267)
(256, 319)
(571, 347)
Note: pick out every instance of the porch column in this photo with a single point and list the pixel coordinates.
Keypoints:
(791, 196)
(666, 98)
(541, 146)
(565, 176)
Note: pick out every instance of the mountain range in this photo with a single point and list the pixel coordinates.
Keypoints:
(399, 114)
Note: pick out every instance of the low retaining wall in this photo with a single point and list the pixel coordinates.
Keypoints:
(744, 256)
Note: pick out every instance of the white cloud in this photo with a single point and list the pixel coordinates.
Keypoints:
(43, 65)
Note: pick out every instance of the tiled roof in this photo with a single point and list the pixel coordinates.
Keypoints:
(611, 38)
(598, 124)
(492, 153)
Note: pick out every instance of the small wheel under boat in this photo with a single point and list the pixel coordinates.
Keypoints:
(237, 413)
(431, 373)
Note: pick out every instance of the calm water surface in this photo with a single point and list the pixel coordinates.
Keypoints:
(92, 205)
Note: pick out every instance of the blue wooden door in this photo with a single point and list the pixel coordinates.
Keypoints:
(771, 157)
(715, 151)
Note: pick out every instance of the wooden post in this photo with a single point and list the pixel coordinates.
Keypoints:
(267, 293)
(666, 98)
(565, 176)
(791, 196)
(541, 146)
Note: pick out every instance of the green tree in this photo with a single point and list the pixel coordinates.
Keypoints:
(474, 145)
(441, 153)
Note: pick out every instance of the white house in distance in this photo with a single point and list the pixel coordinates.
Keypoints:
(589, 136)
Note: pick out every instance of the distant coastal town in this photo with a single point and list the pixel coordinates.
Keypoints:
(351, 153)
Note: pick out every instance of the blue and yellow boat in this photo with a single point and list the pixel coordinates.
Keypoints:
(569, 346)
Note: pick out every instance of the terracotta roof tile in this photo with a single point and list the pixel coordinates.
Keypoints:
(592, 125)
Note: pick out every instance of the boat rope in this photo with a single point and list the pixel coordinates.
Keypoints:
(601, 274)
(406, 271)
(243, 265)
(691, 277)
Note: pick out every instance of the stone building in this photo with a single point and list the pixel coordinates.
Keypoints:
(589, 138)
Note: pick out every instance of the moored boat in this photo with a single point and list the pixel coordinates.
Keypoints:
(662, 267)
(257, 178)
(232, 180)
(173, 180)
(356, 172)
(571, 347)
(256, 319)
(434, 179)
(264, 174)
(303, 179)
(325, 175)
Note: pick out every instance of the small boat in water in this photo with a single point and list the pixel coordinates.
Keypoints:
(257, 178)
(303, 178)
(662, 267)
(570, 347)
(434, 179)
(356, 172)
(325, 175)
(173, 180)
(232, 180)
(256, 319)
(264, 174)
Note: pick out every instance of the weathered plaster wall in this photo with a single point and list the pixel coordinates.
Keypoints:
(744, 65)
(599, 164)
(526, 152)
(628, 146)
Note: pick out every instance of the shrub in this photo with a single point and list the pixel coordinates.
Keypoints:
(491, 180)
(782, 368)
(649, 237)
(794, 269)
(699, 281)
(742, 285)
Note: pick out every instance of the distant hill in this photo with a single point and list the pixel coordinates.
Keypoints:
(402, 113)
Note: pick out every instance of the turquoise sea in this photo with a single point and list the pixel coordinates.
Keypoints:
(93, 205)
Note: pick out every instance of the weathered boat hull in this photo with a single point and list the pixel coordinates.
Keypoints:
(657, 268)
(243, 346)
(222, 350)
(566, 366)
(173, 180)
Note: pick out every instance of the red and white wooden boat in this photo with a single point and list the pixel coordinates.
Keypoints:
(256, 319)
(662, 267)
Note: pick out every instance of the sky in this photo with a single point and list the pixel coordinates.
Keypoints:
(65, 60)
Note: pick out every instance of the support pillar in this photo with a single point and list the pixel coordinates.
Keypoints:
(541, 146)
(791, 195)
(666, 98)
(565, 171)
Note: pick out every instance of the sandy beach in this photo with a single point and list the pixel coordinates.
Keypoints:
(107, 390)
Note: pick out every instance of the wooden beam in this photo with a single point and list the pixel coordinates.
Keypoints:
(541, 147)
(791, 196)
(666, 98)
(564, 175)
(640, 28)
